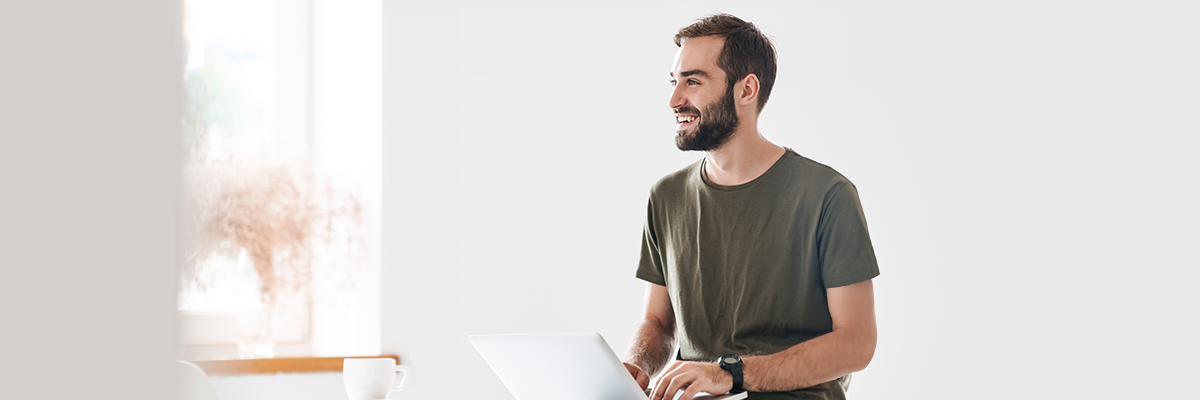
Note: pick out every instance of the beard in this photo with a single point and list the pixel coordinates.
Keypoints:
(717, 123)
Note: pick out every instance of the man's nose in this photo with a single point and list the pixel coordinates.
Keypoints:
(677, 100)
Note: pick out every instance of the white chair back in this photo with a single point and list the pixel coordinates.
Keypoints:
(191, 383)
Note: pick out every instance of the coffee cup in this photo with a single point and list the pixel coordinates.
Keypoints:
(372, 378)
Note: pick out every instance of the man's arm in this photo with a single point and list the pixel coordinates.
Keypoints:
(654, 338)
(848, 348)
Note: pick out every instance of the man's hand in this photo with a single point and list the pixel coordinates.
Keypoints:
(640, 376)
(693, 377)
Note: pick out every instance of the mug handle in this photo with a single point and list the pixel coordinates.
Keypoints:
(403, 383)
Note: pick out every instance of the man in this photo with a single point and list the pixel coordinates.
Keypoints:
(753, 255)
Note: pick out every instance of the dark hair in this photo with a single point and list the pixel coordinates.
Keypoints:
(747, 50)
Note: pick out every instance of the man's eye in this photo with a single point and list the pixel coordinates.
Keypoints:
(693, 82)
(673, 82)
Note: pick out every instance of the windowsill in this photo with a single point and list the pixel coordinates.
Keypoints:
(274, 365)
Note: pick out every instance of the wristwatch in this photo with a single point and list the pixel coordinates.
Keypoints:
(733, 364)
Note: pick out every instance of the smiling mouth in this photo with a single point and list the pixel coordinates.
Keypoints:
(684, 121)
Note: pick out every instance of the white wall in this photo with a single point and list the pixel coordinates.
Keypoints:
(89, 125)
(1028, 170)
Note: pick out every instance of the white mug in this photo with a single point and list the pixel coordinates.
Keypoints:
(372, 378)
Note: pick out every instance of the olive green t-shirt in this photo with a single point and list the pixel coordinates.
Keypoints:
(747, 266)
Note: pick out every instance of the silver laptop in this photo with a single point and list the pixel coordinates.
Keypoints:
(553, 366)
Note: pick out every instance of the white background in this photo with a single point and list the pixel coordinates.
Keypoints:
(1028, 170)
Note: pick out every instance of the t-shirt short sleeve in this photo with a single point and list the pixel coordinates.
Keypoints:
(843, 244)
(650, 266)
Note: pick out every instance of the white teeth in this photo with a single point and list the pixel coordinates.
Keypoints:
(684, 119)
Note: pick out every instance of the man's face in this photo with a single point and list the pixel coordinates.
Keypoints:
(705, 117)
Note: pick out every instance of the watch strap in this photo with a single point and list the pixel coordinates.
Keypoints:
(735, 369)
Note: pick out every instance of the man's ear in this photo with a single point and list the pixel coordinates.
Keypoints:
(747, 90)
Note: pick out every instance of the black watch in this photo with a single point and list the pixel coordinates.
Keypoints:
(733, 364)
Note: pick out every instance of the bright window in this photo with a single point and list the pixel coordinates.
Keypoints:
(281, 151)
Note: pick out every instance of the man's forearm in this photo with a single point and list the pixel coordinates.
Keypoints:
(813, 362)
(651, 346)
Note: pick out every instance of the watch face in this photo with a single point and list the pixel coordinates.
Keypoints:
(730, 360)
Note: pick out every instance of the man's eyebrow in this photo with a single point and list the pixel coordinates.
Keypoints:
(691, 72)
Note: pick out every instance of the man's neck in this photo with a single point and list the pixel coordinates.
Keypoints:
(746, 156)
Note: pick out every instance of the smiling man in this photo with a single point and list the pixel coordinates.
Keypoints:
(757, 259)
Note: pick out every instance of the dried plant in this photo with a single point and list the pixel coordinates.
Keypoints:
(278, 212)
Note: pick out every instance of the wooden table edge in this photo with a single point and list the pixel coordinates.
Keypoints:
(274, 365)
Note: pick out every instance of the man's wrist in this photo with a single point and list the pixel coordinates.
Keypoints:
(637, 362)
(733, 364)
